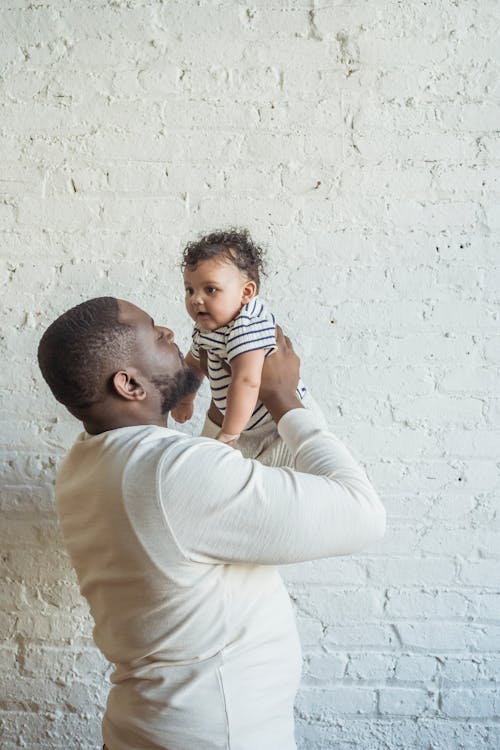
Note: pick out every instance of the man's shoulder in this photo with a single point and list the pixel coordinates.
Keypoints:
(127, 452)
(136, 441)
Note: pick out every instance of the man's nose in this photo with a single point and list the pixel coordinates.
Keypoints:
(169, 334)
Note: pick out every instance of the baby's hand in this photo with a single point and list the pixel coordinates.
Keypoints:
(227, 439)
(183, 411)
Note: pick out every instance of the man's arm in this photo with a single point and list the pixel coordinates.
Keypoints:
(224, 508)
(280, 377)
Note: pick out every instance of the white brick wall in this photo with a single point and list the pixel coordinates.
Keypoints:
(360, 142)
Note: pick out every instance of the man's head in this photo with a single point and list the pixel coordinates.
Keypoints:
(111, 366)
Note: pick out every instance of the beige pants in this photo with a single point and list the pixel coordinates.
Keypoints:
(263, 441)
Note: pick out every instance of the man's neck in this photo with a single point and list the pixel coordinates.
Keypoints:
(95, 425)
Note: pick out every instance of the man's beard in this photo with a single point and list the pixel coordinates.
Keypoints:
(173, 389)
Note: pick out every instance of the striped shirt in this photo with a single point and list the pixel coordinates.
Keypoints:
(253, 328)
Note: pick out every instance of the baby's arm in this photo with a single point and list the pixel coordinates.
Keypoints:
(246, 373)
(184, 409)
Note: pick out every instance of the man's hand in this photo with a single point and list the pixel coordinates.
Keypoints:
(280, 377)
(203, 362)
(184, 410)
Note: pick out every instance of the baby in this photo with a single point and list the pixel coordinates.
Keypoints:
(221, 278)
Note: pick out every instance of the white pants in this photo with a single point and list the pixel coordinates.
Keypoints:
(263, 441)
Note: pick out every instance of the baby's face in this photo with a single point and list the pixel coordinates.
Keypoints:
(216, 290)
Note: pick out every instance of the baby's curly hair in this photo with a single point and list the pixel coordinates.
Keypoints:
(234, 244)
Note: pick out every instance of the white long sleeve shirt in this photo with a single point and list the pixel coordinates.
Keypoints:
(174, 540)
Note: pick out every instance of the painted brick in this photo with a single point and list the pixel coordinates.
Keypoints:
(483, 573)
(458, 670)
(324, 668)
(469, 703)
(324, 705)
(337, 606)
(359, 143)
(402, 701)
(410, 570)
(371, 666)
(414, 668)
(409, 603)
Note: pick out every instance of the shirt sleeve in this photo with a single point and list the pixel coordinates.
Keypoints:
(224, 508)
(250, 333)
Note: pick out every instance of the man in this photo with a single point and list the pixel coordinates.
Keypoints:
(174, 539)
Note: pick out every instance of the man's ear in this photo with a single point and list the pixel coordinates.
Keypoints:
(128, 387)
(248, 291)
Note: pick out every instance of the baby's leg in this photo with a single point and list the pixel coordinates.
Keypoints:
(264, 443)
(276, 453)
(209, 429)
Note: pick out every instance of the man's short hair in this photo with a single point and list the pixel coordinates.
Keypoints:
(81, 350)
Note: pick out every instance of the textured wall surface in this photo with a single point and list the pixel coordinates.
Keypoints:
(359, 141)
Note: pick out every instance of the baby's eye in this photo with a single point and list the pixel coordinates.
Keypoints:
(188, 290)
(211, 290)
